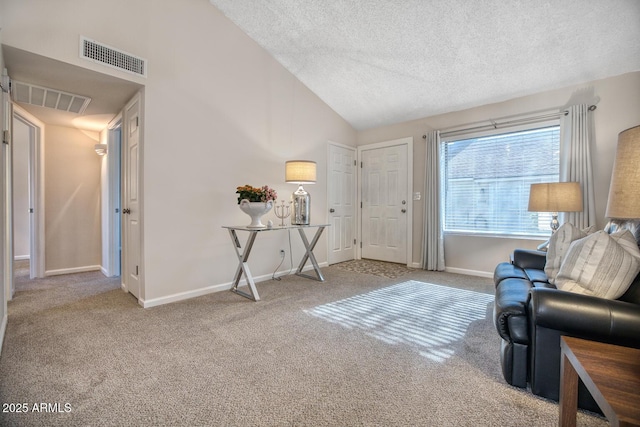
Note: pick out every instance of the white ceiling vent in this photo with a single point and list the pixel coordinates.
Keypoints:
(49, 98)
(115, 58)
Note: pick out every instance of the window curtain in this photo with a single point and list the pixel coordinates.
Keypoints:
(576, 135)
(433, 241)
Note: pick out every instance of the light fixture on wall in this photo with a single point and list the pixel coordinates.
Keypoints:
(101, 149)
(624, 191)
(300, 172)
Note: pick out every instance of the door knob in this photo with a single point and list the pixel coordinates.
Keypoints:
(332, 210)
(126, 211)
(403, 210)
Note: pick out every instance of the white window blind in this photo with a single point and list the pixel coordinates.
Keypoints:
(486, 181)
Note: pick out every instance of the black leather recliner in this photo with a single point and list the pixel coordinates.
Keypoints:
(530, 315)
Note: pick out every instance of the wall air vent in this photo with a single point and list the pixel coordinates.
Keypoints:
(26, 93)
(114, 58)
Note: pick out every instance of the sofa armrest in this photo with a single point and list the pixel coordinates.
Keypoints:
(510, 310)
(585, 316)
(529, 259)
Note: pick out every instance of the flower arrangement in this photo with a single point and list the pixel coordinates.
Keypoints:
(256, 194)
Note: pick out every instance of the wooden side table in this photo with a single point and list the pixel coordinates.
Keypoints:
(611, 373)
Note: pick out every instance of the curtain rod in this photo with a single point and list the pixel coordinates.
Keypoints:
(499, 123)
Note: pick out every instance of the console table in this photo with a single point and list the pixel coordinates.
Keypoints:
(611, 373)
(243, 255)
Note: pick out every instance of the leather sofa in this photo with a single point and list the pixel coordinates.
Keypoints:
(530, 315)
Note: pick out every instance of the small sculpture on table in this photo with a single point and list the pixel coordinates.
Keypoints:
(284, 212)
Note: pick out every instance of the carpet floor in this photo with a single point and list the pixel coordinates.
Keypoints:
(357, 350)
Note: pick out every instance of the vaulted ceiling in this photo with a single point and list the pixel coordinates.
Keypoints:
(378, 62)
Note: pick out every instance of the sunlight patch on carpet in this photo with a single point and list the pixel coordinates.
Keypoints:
(429, 318)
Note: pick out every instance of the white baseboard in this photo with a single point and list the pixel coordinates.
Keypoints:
(72, 270)
(21, 257)
(3, 328)
(469, 272)
(416, 265)
(181, 296)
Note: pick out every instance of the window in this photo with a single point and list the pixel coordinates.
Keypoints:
(486, 181)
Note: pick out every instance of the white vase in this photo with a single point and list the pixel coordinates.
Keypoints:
(255, 210)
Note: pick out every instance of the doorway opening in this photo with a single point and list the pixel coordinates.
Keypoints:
(111, 201)
(27, 192)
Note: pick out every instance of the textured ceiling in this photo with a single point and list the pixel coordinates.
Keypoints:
(379, 62)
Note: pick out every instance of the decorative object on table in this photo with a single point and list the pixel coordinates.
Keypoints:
(624, 191)
(555, 197)
(256, 202)
(300, 172)
(285, 211)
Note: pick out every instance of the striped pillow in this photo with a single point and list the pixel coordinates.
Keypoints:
(601, 265)
(559, 245)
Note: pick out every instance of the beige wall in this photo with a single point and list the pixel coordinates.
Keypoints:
(72, 200)
(219, 112)
(618, 109)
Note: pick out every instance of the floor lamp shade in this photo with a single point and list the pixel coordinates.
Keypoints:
(300, 172)
(624, 191)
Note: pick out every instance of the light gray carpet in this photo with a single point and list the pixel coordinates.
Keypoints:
(357, 350)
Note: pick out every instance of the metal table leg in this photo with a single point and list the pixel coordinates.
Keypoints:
(309, 255)
(243, 266)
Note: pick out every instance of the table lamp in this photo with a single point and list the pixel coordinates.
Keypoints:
(300, 172)
(555, 197)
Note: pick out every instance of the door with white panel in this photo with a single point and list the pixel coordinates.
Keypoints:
(341, 187)
(385, 203)
(131, 248)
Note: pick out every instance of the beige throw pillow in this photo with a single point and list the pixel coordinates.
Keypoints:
(601, 265)
(559, 245)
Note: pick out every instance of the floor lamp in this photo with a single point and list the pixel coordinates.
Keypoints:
(624, 192)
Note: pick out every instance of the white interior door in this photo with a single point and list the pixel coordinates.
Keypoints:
(341, 187)
(131, 199)
(385, 203)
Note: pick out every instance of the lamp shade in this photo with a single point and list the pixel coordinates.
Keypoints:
(555, 197)
(300, 171)
(624, 191)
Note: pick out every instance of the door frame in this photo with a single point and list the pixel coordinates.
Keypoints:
(36, 190)
(356, 224)
(408, 142)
